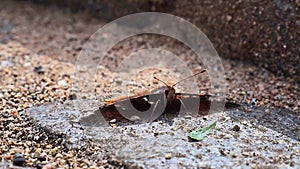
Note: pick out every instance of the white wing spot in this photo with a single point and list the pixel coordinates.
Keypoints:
(186, 96)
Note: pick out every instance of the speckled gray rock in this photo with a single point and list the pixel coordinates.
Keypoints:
(262, 140)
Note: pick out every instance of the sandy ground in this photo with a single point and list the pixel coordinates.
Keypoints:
(38, 49)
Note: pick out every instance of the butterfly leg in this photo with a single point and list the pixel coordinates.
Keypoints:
(187, 110)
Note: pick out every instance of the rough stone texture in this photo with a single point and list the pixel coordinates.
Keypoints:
(263, 140)
(264, 33)
(106, 9)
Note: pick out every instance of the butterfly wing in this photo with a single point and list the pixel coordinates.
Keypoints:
(194, 104)
(189, 104)
(142, 108)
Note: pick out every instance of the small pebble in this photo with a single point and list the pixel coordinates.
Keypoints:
(38, 70)
(33, 97)
(113, 125)
(72, 96)
(168, 156)
(113, 122)
(18, 160)
(29, 136)
(236, 128)
(42, 158)
(39, 166)
(188, 117)
(223, 152)
(267, 111)
(62, 83)
(253, 102)
(5, 115)
(246, 154)
(244, 122)
(14, 113)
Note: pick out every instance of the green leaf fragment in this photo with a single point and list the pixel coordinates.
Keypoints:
(201, 133)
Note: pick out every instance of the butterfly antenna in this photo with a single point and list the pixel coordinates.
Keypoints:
(202, 71)
(160, 81)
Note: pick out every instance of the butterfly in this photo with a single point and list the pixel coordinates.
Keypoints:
(149, 107)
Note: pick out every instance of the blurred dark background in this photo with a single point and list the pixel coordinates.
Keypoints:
(264, 33)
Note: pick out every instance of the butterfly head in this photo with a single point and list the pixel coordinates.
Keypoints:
(170, 93)
(170, 90)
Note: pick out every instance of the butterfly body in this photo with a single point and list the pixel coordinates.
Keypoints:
(165, 97)
(147, 107)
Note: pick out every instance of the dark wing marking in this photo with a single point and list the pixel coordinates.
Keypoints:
(189, 101)
(191, 104)
(142, 108)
